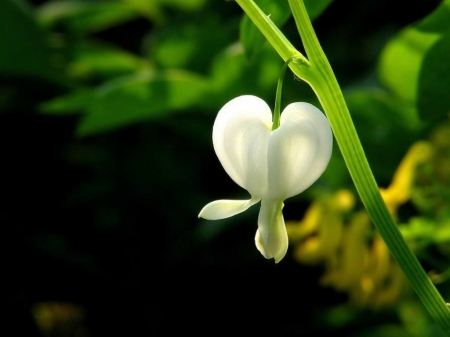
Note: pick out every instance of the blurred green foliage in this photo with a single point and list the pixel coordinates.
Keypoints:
(106, 112)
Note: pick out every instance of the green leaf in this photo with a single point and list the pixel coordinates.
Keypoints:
(410, 64)
(188, 44)
(401, 60)
(94, 59)
(232, 75)
(154, 11)
(86, 16)
(139, 98)
(187, 5)
(23, 47)
(433, 100)
(438, 21)
(72, 103)
(149, 9)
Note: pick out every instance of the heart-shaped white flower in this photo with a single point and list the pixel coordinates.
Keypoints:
(271, 165)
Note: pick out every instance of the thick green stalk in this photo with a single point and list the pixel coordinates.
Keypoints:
(318, 73)
(327, 89)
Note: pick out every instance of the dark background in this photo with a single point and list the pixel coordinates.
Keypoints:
(109, 221)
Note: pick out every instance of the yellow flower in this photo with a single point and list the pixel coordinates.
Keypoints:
(399, 191)
(356, 259)
(353, 255)
(318, 235)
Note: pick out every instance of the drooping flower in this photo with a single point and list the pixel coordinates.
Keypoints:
(272, 165)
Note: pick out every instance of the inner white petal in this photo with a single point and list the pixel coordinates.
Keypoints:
(221, 209)
(271, 237)
(298, 151)
(240, 136)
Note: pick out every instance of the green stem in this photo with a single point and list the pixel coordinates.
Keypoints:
(276, 38)
(276, 110)
(319, 74)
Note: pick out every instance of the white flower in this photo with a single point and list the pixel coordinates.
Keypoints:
(271, 165)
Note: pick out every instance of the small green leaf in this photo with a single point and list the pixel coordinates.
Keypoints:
(188, 44)
(411, 64)
(148, 9)
(187, 5)
(94, 59)
(154, 9)
(73, 103)
(433, 100)
(23, 47)
(85, 17)
(438, 21)
(401, 60)
(139, 98)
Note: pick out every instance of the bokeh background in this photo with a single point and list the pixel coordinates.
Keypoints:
(106, 114)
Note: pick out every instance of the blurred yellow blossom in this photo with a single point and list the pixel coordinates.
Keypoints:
(399, 191)
(60, 319)
(355, 258)
(317, 236)
(432, 192)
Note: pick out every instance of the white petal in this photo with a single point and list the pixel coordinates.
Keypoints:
(299, 150)
(240, 136)
(221, 209)
(271, 237)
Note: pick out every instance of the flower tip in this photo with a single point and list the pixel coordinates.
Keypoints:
(200, 215)
(278, 254)
(221, 209)
(280, 257)
(271, 237)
